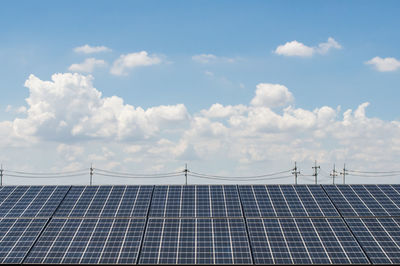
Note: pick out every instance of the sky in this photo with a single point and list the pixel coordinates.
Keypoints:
(232, 88)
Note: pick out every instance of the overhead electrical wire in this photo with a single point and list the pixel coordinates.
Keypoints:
(46, 174)
(372, 172)
(128, 176)
(97, 170)
(381, 175)
(240, 177)
(39, 177)
(235, 179)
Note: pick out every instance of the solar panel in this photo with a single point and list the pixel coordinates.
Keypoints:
(200, 224)
(34, 201)
(303, 241)
(285, 201)
(196, 201)
(106, 201)
(89, 241)
(364, 200)
(195, 241)
(379, 237)
(17, 236)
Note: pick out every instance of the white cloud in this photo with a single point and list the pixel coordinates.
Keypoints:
(87, 49)
(219, 111)
(210, 58)
(204, 58)
(384, 64)
(132, 60)
(70, 107)
(271, 95)
(295, 48)
(88, 65)
(69, 123)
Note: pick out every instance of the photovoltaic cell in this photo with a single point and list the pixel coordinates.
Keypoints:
(89, 241)
(200, 224)
(17, 236)
(195, 241)
(30, 201)
(303, 241)
(379, 237)
(196, 201)
(106, 201)
(365, 200)
(285, 201)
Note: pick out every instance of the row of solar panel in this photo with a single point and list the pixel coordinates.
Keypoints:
(200, 241)
(201, 201)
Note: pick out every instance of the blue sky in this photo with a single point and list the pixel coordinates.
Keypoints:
(241, 40)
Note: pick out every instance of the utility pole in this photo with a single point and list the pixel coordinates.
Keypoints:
(91, 173)
(344, 174)
(295, 172)
(1, 176)
(334, 174)
(186, 171)
(315, 167)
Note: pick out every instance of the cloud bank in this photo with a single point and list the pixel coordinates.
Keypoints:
(69, 114)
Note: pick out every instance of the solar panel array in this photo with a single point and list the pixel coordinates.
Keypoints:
(200, 224)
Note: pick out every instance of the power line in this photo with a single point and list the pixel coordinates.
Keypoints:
(45, 174)
(383, 175)
(230, 179)
(133, 177)
(372, 172)
(134, 174)
(40, 177)
(240, 177)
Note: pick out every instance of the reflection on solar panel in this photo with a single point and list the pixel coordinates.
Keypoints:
(365, 200)
(285, 201)
(106, 201)
(196, 201)
(17, 237)
(35, 201)
(303, 241)
(195, 241)
(380, 238)
(89, 241)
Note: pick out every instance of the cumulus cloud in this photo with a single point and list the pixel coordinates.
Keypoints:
(132, 60)
(384, 64)
(69, 106)
(87, 49)
(295, 48)
(271, 95)
(87, 66)
(70, 115)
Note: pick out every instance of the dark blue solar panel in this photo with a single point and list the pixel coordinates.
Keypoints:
(196, 201)
(285, 201)
(379, 237)
(89, 241)
(365, 200)
(16, 238)
(303, 241)
(195, 241)
(106, 201)
(34, 201)
(203, 204)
